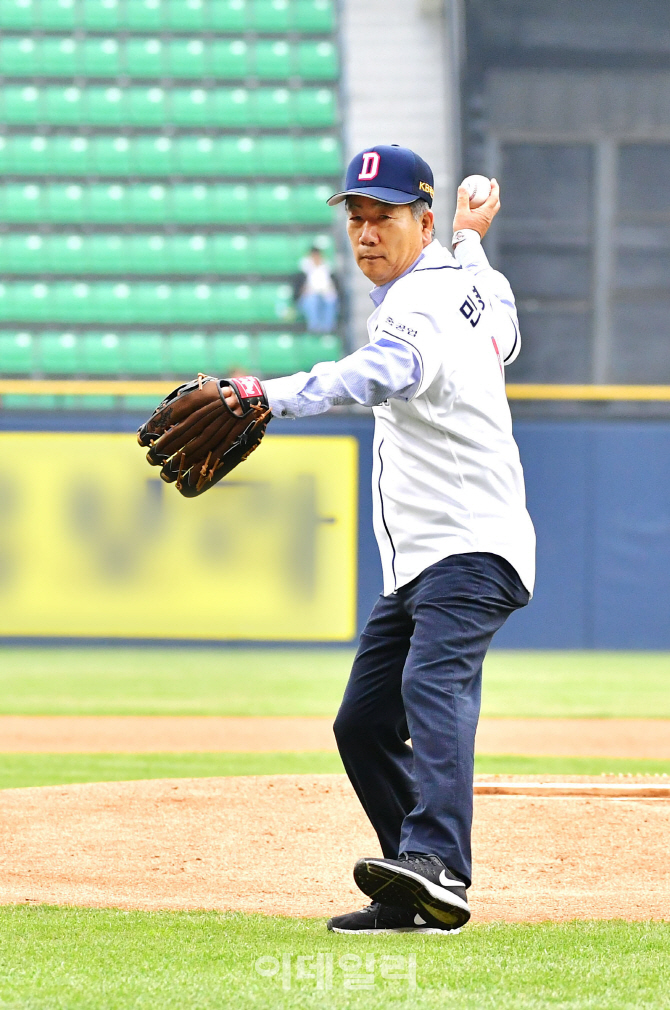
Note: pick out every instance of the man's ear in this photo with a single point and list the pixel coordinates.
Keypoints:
(428, 225)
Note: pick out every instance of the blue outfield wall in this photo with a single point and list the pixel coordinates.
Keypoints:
(599, 495)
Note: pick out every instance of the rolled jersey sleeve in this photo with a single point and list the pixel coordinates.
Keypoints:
(387, 368)
(496, 288)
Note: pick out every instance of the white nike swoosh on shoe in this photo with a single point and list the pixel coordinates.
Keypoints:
(418, 921)
(439, 893)
(446, 882)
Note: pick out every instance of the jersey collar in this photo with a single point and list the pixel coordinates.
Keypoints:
(379, 294)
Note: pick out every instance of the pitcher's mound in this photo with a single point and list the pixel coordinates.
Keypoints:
(287, 844)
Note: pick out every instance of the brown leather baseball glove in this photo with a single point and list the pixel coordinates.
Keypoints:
(195, 437)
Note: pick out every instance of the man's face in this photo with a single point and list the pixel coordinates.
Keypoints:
(385, 238)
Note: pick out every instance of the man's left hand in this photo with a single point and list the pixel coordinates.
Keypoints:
(478, 220)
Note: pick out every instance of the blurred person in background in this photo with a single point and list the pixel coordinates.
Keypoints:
(316, 292)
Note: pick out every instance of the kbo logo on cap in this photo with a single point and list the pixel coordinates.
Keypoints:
(370, 167)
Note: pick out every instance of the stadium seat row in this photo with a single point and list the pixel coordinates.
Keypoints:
(156, 254)
(153, 354)
(276, 108)
(226, 59)
(152, 155)
(314, 16)
(143, 203)
(108, 303)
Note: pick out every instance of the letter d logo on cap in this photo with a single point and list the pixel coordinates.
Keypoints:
(370, 167)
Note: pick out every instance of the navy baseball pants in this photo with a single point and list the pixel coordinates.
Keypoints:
(417, 674)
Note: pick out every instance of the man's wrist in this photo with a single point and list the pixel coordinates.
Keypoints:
(462, 234)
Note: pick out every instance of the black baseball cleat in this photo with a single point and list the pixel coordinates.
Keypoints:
(417, 882)
(378, 918)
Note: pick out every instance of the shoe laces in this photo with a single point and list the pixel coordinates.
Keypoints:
(422, 857)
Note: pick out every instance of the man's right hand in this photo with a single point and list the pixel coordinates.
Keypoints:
(478, 220)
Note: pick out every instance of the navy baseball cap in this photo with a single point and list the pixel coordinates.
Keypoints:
(391, 174)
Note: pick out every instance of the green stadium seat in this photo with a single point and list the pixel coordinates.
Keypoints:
(19, 57)
(277, 353)
(232, 254)
(25, 155)
(58, 354)
(58, 14)
(148, 254)
(101, 353)
(107, 204)
(317, 61)
(67, 203)
(67, 155)
(73, 302)
(317, 347)
(232, 204)
(19, 14)
(276, 156)
(187, 353)
(199, 155)
(191, 204)
(232, 354)
(22, 203)
(195, 303)
(147, 106)
(275, 107)
(270, 15)
(65, 106)
(144, 15)
(145, 58)
(315, 107)
(310, 206)
(185, 15)
(151, 303)
(61, 57)
(187, 58)
(111, 155)
(147, 204)
(232, 107)
(190, 254)
(16, 353)
(227, 15)
(143, 354)
(24, 254)
(274, 254)
(154, 155)
(314, 16)
(99, 15)
(274, 204)
(319, 156)
(192, 107)
(107, 107)
(22, 105)
(273, 60)
(105, 254)
(230, 59)
(102, 57)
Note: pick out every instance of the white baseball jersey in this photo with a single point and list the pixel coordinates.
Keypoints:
(447, 478)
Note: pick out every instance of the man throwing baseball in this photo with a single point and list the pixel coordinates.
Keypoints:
(456, 542)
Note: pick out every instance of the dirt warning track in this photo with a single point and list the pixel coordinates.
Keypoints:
(287, 844)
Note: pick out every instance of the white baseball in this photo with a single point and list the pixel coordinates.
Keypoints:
(479, 188)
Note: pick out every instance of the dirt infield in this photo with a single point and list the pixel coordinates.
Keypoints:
(286, 845)
(618, 738)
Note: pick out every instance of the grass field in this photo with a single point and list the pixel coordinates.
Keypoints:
(84, 959)
(147, 681)
(17, 770)
(78, 959)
